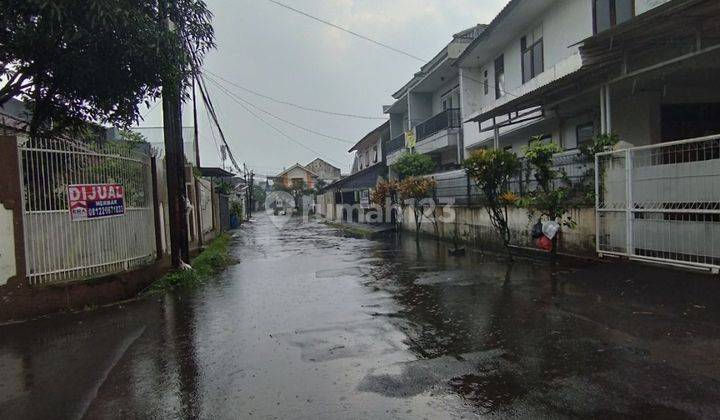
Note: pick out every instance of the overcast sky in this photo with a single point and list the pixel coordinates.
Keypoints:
(279, 53)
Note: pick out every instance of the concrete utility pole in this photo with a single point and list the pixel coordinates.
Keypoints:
(198, 194)
(174, 155)
(251, 194)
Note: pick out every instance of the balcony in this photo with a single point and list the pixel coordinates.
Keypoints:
(437, 134)
(450, 118)
(398, 143)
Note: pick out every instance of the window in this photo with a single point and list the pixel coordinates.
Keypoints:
(585, 134)
(367, 158)
(448, 99)
(447, 103)
(609, 13)
(375, 154)
(533, 62)
(500, 77)
(486, 84)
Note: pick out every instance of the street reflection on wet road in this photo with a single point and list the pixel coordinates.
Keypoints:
(311, 324)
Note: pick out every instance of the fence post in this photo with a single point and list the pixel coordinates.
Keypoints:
(629, 205)
(12, 252)
(468, 189)
(156, 208)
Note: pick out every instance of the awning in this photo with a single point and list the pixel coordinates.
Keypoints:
(359, 181)
(639, 44)
(215, 173)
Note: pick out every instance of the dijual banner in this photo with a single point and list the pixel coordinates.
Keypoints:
(95, 201)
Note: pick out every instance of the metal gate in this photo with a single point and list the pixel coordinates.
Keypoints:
(661, 203)
(59, 249)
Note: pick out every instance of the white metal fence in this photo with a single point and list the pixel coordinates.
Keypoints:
(661, 203)
(58, 249)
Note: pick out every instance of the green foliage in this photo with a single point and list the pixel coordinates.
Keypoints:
(413, 164)
(223, 187)
(259, 194)
(582, 192)
(236, 208)
(413, 190)
(549, 200)
(214, 259)
(130, 136)
(491, 170)
(96, 60)
(601, 143)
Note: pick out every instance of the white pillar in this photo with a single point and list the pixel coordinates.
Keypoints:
(603, 110)
(608, 112)
(496, 135)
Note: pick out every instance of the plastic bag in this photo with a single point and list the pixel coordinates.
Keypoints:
(550, 229)
(537, 230)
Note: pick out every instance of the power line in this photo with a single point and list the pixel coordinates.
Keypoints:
(280, 101)
(347, 31)
(282, 133)
(237, 98)
(211, 108)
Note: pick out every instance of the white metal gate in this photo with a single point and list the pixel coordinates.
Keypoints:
(58, 249)
(661, 203)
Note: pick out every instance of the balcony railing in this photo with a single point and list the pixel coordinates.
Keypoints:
(450, 118)
(395, 144)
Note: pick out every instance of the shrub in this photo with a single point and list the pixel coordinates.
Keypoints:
(413, 164)
(491, 170)
(413, 191)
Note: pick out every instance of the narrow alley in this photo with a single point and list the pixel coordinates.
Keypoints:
(311, 324)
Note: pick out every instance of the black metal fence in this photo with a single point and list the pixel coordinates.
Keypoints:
(458, 188)
(395, 144)
(450, 118)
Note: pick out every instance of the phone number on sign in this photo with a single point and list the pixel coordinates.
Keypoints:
(106, 211)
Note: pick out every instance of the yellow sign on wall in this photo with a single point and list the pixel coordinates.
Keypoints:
(410, 139)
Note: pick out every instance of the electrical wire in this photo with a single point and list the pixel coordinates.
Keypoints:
(294, 105)
(315, 18)
(282, 133)
(211, 108)
(237, 98)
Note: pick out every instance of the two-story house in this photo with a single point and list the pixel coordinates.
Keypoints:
(369, 167)
(567, 70)
(644, 70)
(325, 172)
(428, 106)
(296, 175)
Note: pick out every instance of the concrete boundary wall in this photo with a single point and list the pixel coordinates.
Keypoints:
(472, 226)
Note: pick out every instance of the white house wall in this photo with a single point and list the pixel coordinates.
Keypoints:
(642, 6)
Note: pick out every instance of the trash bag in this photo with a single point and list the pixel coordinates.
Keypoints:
(544, 243)
(550, 229)
(537, 230)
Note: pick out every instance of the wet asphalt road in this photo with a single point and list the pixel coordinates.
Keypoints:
(310, 324)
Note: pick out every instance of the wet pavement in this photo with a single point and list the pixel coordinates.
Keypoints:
(310, 324)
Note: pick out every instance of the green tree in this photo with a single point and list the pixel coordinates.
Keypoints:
(96, 60)
(319, 185)
(413, 164)
(259, 195)
(491, 170)
(413, 192)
